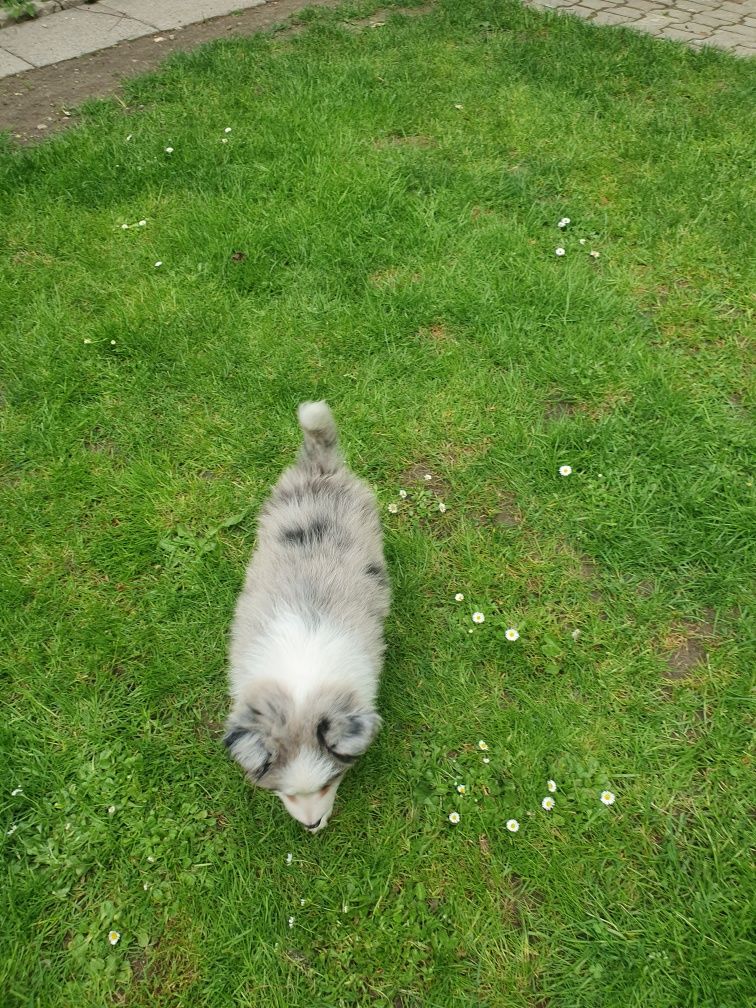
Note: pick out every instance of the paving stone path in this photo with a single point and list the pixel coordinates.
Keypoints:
(730, 24)
(71, 32)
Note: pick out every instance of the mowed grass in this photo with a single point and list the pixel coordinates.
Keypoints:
(380, 229)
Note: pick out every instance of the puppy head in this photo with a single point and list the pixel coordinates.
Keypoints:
(299, 755)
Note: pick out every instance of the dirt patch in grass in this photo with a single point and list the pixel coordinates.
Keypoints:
(378, 19)
(415, 476)
(686, 649)
(506, 514)
(561, 409)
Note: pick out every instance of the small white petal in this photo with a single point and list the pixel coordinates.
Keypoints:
(402, 494)
(482, 745)
(594, 255)
(428, 477)
(575, 634)
(289, 858)
(393, 508)
(583, 241)
(16, 792)
(112, 810)
(158, 263)
(486, 759)
(169, 150)
(459, 597)
(551, 786)
(442, 507)
(559, 252)
(142, 223)
(124, 227)
(227, 129)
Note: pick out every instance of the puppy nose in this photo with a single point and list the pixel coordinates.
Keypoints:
(313, 825)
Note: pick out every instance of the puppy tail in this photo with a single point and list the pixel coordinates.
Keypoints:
(320, 446)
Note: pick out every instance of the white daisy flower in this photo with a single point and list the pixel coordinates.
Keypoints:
(428, 477)
(227, 129)
(551, 786)
(111, 810)
(607, 798)
(393, 508)
(459, 597)
(289, 858)
(583, 241)
(565, 470)
(169, 150)
(461, 789)
(112, 342)
(224, 139)
(594, 255)
(511, 634)
(483, 746)
(486, 759)
(402, 494)
(512, 825)
(441, 507)
(16, 792)
(158, 263)
(563, 223)
(548, 804)
(142, 223)
(559, 252)
(478, 617)
(575, 634)
(454, 818)
(114, 937)
(291, 922)
(124, 227)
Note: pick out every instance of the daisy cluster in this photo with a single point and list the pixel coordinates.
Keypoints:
(422, 501)
(560, 251)
(548, 802)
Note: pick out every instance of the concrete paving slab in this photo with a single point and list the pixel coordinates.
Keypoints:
(67, 34)
(10, 64)
(176, 13)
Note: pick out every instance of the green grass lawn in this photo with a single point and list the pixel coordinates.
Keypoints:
(379, 228)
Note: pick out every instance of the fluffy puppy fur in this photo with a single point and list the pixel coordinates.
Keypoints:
(307, 637)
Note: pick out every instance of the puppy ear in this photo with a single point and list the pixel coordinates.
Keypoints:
(245, 742)
(347, 734)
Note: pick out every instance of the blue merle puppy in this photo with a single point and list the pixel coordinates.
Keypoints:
(307, 636)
